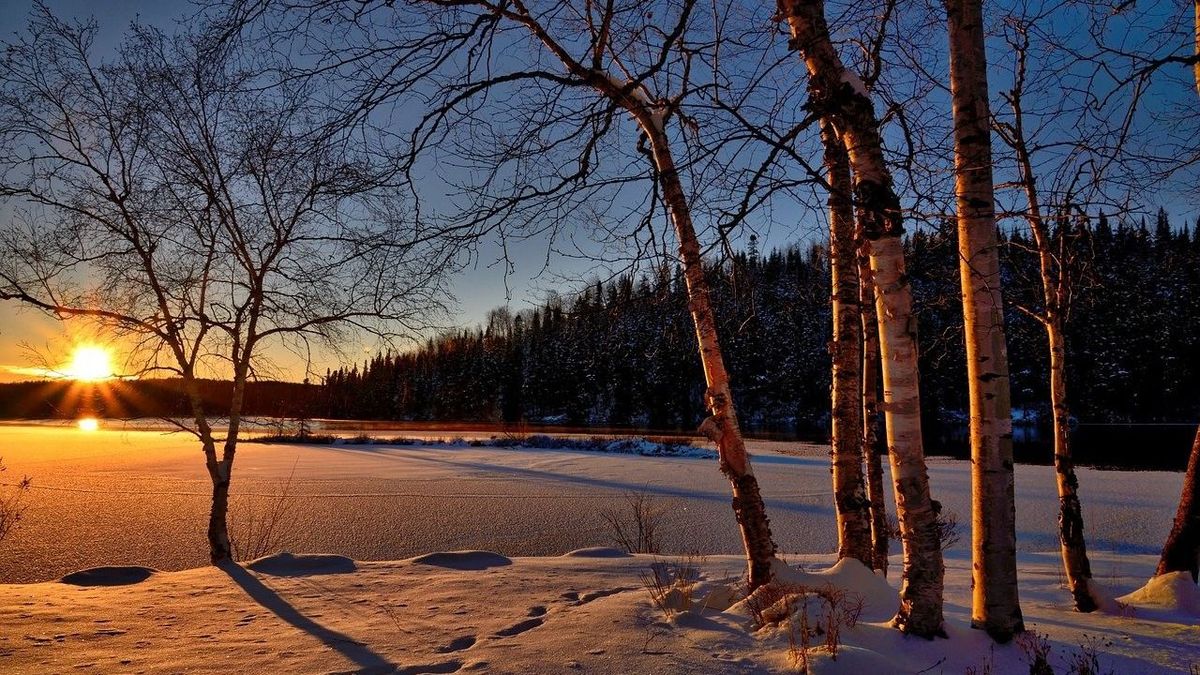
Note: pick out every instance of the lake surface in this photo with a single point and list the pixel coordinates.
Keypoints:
(122, 496)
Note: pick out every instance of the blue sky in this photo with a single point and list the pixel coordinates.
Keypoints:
(487, 283)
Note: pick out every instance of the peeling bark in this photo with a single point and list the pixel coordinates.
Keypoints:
(722, 425)
(995, 605)
(849, 491)
(840, 97)
(880, 536)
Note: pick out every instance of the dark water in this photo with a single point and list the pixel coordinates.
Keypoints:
(1139, 447)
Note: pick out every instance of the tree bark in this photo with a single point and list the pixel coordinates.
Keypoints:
(1070, 512)
(995, 605)
(849, 492)
(1055, 278)
(839, 96)
(722, 426)
(1181, 553)
(880, 536)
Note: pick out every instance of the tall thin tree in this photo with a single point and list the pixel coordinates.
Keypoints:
(850, 498)
(840, 96)
(995, 606)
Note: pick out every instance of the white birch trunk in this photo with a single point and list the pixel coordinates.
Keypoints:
(839, 96)
(995, 605)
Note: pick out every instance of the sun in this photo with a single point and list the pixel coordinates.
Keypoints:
(89, 363)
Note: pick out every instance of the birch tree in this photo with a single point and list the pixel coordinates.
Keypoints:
(850, 498)
(544, 133)
(1181, 552)
(200, 219)
(1056, 275)
(839, 96)
(880, 532)
(994, 599)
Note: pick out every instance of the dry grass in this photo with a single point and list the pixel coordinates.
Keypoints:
(812, 616)
(262, 524)
(12, 502)
(635, 527)
(672, 583)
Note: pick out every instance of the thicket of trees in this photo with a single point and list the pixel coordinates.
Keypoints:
(618, 354)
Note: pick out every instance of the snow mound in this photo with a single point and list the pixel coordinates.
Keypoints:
(879, 598)
(597, 552)
(1174, 593)
(285, 564)
(115, 575)
(462, 560)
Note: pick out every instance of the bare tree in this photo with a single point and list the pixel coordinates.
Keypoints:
(542, 136)
(850, 498)
(840, 96)
(880, 531)
(995, 606)
(201, 219)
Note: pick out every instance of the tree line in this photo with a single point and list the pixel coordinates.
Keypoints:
(614, 353)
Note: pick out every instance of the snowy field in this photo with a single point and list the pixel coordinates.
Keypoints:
(139, 498)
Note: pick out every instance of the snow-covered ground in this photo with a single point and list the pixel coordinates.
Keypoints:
(139, 498)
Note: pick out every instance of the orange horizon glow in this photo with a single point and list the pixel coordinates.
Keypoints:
(89, 424)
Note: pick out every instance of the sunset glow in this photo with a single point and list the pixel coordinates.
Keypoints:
(89, 424)
(89, 363)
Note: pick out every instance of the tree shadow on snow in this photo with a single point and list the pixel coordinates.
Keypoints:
(547, 477)
(366, 660)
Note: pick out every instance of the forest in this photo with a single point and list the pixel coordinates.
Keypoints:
(616, 354)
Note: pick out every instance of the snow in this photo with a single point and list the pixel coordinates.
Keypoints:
(521, 577)
(1173, 596)
(560, 614)
(855, 83)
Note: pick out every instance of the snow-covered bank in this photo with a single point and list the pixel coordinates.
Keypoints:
(482, 612)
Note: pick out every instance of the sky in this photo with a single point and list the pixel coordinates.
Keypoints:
(29, 340)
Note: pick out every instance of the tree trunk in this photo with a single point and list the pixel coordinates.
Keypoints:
(995, 606)
(219, 547)
(1182, 550)
(1070, 511)
(722, 426)
(880, 536)
(839, 96)
(1196, 65)
(849, 492)
(921, 583)
(1055, 284)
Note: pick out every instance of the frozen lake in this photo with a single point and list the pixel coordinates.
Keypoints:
(141, 497)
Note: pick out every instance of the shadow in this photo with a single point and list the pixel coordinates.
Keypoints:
(117, 575)
(366, 660)
(547, 477)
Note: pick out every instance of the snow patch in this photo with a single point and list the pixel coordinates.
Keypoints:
(285, 564)
(462, 560)
(597, 552)
(855, 83)
(1174, 593)
(111, 575)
